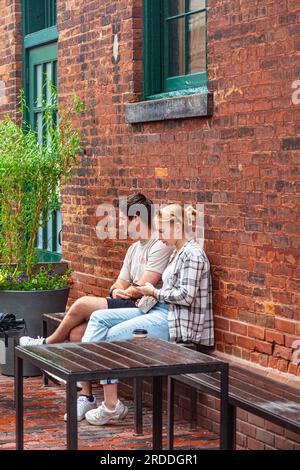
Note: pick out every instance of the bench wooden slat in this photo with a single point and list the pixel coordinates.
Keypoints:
(241, 393)
(54, 317)
(285, 391)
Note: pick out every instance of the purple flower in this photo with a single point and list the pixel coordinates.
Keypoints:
(22, 261)
(22, 278)
(9, 278)
(51, 273)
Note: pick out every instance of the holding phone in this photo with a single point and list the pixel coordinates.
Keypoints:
(134, 284)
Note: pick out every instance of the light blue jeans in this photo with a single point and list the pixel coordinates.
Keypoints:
(118, 325)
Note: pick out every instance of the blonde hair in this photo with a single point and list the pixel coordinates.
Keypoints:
(175, 213)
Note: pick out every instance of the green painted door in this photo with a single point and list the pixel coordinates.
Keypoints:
(42, 68)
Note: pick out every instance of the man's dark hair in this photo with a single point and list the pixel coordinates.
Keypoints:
(138, 204)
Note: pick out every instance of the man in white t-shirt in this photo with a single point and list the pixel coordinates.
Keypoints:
(144, 262)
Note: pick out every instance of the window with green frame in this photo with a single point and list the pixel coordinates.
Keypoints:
(40, 67)
(174, 47)
(39, 14)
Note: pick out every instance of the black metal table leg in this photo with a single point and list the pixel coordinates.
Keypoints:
(224, 415)
(45, 334)
(157, 413)
(19, 403)
(138, 406)
(170, 427)
(72, 436)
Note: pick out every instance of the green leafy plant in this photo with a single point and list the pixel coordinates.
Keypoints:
(44, 279)
(32, 172)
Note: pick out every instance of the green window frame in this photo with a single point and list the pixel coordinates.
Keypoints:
(157, 20)
(40, 37)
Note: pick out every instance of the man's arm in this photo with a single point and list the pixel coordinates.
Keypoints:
(148, 276)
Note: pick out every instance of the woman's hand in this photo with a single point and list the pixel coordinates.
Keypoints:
(147, 289)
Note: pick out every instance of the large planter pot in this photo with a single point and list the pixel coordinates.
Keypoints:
(30, 305)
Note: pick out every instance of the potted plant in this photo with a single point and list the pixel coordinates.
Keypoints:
(32, 171)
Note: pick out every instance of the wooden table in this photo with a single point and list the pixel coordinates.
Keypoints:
(134, 358)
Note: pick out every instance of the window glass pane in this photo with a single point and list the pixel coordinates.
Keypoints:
(49, 80)
(40, 14)
(49, 234)
(39, 126)
(59, 232)
(196, 4)
(175, 7)
(36, 15)
(40, 237)
(176, 64)
(197, 42)
(39, 84)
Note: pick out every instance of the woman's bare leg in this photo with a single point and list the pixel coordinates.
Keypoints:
(77, 314)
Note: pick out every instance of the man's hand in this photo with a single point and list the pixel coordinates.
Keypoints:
(120, 294)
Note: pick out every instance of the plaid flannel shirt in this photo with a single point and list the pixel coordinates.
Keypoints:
(189, 295)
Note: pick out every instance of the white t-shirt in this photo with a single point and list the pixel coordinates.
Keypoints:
(150, 255)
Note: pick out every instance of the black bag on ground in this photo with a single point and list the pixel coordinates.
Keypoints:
(9, 323)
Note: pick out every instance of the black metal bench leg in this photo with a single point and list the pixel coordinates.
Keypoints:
(193, 408)
(45, 333)
(224, 415)
(170, 401)
(19, 403)
(231, 427)
(157, 413)
(138, 405)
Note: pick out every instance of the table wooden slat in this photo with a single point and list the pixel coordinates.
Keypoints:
(42, 352)
(180, 352)
(155, 357)
(99, 351)
(118, 355)
(74, 354)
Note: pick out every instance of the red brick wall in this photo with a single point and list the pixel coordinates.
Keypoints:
(10, 56)
(242, 163)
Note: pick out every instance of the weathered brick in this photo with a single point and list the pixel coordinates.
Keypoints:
(274, 336)
(241, 162)
(256, 332)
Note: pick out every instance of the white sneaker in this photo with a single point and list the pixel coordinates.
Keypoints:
(103, 415)
(27, 341)
(83, 406)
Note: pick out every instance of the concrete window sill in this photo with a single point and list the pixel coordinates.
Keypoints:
(170, 108)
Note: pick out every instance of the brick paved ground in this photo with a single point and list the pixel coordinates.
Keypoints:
(45, 428)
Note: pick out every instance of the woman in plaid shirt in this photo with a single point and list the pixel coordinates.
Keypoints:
(183, 311)
(187, 287)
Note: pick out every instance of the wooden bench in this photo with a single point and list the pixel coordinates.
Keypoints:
(272, 400)
(51, 320)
